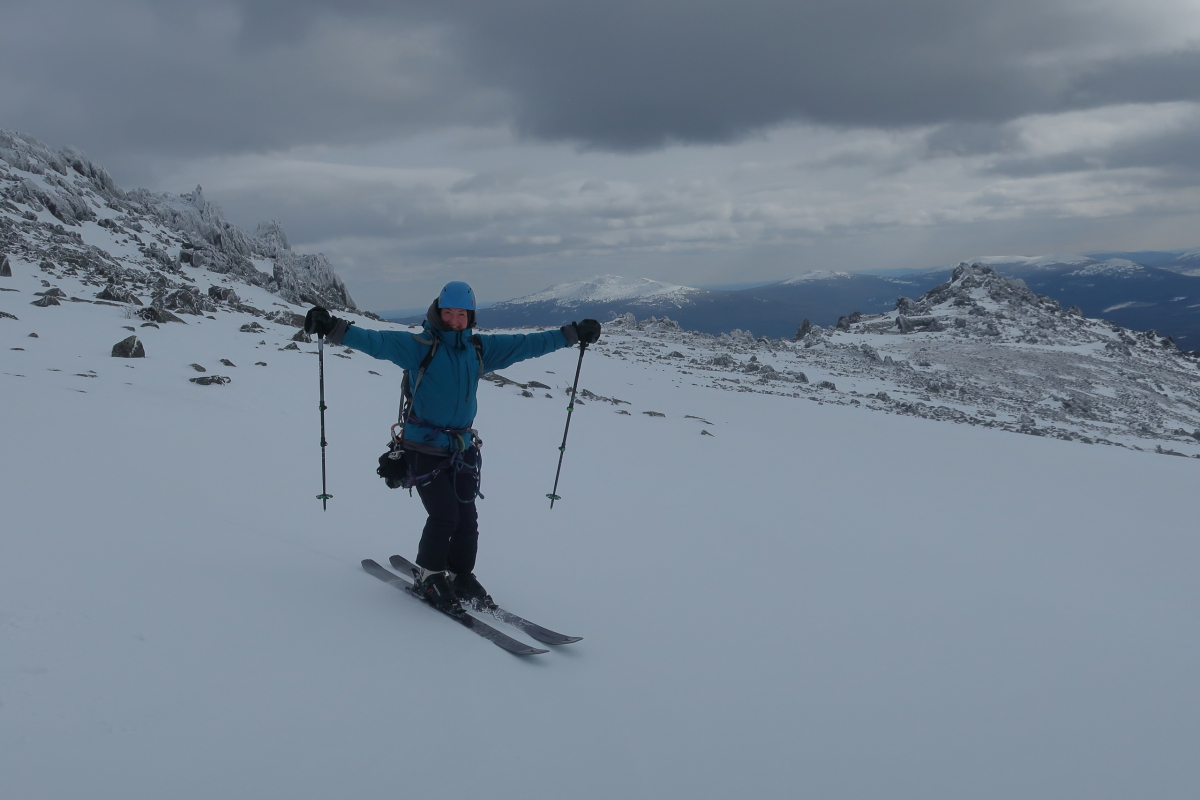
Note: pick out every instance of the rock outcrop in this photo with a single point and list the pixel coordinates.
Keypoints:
(74, 190)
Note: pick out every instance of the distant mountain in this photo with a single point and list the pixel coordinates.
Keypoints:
(775, 310)
(1145, 290)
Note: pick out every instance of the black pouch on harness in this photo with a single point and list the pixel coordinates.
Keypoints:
(393, 466)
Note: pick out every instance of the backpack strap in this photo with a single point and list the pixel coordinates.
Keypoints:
(475, 340)
(406, 393)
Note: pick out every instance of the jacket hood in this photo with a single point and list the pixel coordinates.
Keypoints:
(433, 317)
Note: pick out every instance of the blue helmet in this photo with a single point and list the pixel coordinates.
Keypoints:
(457, 294)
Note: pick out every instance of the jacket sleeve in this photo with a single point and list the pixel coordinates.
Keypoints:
(399, 347)
(503, 350)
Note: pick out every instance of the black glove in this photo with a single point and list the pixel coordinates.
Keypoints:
(587, 331)
(318, 321)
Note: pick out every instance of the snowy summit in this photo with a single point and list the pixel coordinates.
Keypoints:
(606, 289)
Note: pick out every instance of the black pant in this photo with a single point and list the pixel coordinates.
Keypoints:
(451, 536)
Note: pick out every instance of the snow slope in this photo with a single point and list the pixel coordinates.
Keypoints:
(813, 601)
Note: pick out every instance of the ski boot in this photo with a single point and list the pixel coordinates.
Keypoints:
(434, 588)
(470, 592)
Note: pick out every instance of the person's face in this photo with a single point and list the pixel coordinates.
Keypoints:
(455, 318)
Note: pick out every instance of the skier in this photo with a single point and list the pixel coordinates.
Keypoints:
(440, 447)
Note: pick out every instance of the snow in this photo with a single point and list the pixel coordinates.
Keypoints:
(1111, 266)
(605, 289)
(1041, 262)
(815, 601)
(815, 275)
(1128, 304)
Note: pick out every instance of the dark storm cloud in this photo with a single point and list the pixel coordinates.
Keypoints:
(612, 74)
(1176, 153)
(1152, 78)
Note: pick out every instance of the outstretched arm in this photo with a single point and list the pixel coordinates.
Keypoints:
(505, 349)
(502, 350)
(399, 347)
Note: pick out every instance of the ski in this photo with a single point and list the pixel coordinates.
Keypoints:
(494, 636)
(543, 635)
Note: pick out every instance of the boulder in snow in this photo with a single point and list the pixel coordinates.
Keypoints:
(129, 347)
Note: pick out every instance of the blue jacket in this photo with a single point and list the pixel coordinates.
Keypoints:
(446, 397)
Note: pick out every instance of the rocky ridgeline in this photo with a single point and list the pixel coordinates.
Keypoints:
(980, 349)
(153, 240)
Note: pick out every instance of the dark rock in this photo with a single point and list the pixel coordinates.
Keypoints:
(292, 346)
(5, 267)
(148, 325)
(910, 324)
(45, 302)
(960, 322)
(801, 377)
(653, 414)
(301, 336)
(288, 318)
(54, 292)
(224, 294)
(855, 317)
(843, 323)
(189, 301)
(6, 315)
(129, 347)
(827, 385)
(1075, 311)
(263, 364)
(227, 362)
(526, 393)
(32, 336)
(803, 330)
(252, 327)
(197, 367)
(211, 380)
(112, 292)
(704, 432)
(536, 385)
(156, 313)
(723, 360)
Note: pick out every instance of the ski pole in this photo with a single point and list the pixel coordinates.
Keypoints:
(563, 447)
(324, 496)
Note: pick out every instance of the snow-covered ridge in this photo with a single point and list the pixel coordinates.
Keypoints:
(1037, 262)
(58, 206)
(1112, 266)
(980, 349)
(815, 275)
(606, 289)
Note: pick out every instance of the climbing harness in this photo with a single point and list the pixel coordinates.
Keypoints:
(395, 466)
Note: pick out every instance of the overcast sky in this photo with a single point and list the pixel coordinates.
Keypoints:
(522, 143)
